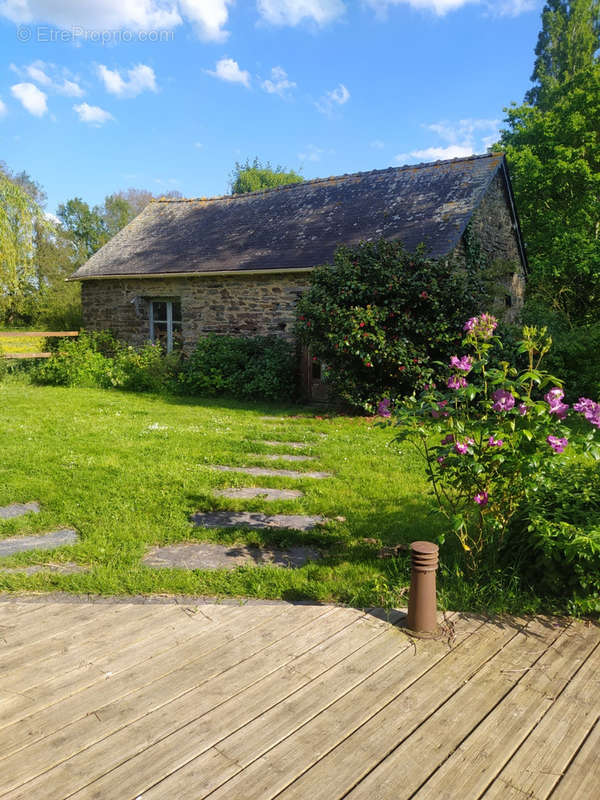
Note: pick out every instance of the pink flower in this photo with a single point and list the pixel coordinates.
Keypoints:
(462, 364)
(481, 498)
(441, 460)
(463, 447)
(482, 326)
(495, 442)
(523, 409)
(456, 382)
(557, 444)
(554, 399)
(589, 409)
(503, 400)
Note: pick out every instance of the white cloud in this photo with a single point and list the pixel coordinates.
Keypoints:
(207, 16)
(229, 70)
(312, 153)
(50, 77)
(31, 98)
(278, 83)
(140, 79)
(94, 115)
(292, 12)
(336, 97)
(36, 72)
(443, 7)
(3, 108)
(70, 88)
(461, 139)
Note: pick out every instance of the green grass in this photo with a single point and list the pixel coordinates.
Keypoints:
(127, 470)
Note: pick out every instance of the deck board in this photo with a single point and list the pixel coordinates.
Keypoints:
(264, 701)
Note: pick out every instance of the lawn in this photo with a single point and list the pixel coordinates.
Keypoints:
(127, 470)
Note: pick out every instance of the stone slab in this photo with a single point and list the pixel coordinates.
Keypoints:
(249, 519)
(283, 473)
(281, 457)
(44, 541)
(216, 556)
(272, 443)
(68, 568)
(19, 509)
(250, 492)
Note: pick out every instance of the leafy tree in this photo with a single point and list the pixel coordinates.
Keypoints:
(567, 44)
(251, 176)
(380, 317)
(86, 226)
(20, 217)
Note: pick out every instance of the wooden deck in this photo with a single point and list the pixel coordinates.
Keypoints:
(116, 701)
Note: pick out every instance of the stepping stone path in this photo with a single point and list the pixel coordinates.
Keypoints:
(19, 510)
(216, 556)
(68, 568)
(247, 519)
(44, 541)
(248, 493)
(284, 473)
(281, 457)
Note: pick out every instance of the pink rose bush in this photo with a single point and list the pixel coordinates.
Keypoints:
(491, 443)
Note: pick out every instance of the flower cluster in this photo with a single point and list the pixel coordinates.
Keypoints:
(557, 443)
(463, 447)
(503, 400)
(481, 327)
(462, 364)
(383, 409)
(589, 409)
(456, 382)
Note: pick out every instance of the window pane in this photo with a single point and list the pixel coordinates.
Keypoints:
(159, 310)
(176, 312)
(160, 333)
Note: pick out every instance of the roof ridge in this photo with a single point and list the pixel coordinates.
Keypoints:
(314, 181)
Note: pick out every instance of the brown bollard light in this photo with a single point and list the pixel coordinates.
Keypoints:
(422, 607)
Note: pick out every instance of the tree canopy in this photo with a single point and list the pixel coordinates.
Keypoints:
(250, 176)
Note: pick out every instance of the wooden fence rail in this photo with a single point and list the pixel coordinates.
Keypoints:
(33, 334)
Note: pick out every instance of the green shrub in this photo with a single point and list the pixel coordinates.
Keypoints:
(3, 365)
(76, 362)
(379, 317)
(260, 367)
(146, 369)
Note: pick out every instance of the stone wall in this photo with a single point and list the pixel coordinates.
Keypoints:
(249, 305)
(492, 227)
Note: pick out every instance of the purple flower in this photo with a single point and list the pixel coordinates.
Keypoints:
(503, 400)
(456, 382)
(495, 442)
(383, 409)
(463, 447)
(482, 326)
(481, 498)
(523, 409)
(557, 444)
(448, 439)
(438, 414)
(441, 460)
(554, 399)
(462, 364)
(589, 409)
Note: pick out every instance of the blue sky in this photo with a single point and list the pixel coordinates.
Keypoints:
(101, 95)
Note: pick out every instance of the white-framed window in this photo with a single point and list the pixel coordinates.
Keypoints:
(165, 323)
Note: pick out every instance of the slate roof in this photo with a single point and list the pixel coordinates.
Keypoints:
(299, 226)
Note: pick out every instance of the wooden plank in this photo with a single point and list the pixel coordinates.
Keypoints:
(26, 355)
(479, 758)
(267, 776)
(141, 643)
(408, 763)
(340, 659)
(544, 756)
(44, 722)
(36, 334)
(582, 778)
(176, 698)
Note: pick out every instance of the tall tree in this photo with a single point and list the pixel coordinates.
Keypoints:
(20, 217)
(567, 43)
(251, 176)
(85, 225)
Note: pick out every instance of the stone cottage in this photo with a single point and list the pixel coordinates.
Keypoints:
(237, 264)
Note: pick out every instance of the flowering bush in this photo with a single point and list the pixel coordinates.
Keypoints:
(494, 438)
(379, 317)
